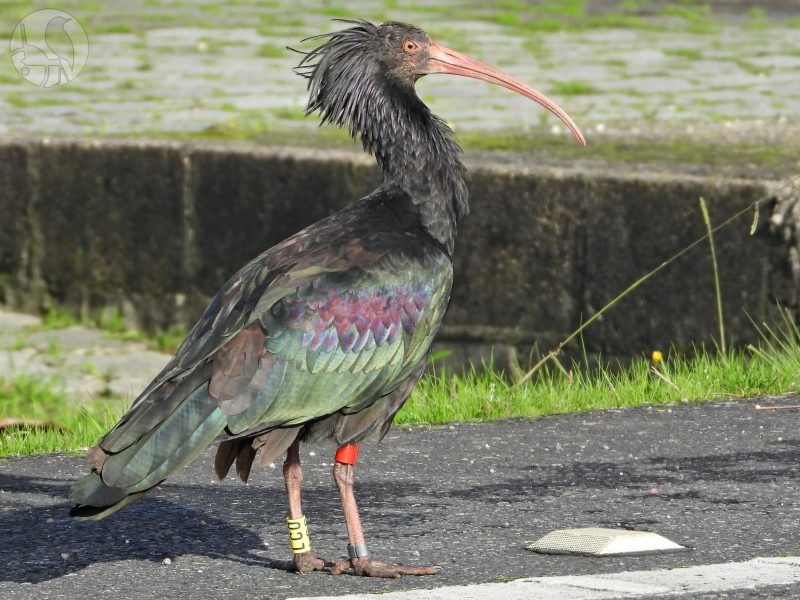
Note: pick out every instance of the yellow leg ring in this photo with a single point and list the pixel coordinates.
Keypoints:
(298, 535)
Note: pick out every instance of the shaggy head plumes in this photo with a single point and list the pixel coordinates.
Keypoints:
(352, 75)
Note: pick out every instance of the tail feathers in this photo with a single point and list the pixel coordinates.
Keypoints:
(123, 477)
(240, 450)
(149, 412)
(171, 445)
(243, 450)
(274, 443)
(226, 454)
(91, 490)
(95, 500)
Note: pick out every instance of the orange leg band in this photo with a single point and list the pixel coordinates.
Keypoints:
(347, 454)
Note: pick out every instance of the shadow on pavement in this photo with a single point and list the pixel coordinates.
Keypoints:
(43, 543)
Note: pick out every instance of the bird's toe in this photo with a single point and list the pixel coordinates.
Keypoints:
(366, 567)
(308, 562)
(304, 563)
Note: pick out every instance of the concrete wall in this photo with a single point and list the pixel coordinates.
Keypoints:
(155, 228)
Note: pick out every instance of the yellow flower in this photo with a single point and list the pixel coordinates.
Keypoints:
(657, 356)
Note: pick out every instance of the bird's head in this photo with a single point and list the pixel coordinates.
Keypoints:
(354, 60)
(58, 21)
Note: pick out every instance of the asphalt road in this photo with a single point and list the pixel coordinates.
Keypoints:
(721, 478)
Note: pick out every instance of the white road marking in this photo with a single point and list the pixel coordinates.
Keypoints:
(755, 573)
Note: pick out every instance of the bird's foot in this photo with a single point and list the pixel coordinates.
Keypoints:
(364, 566)
(305, 563)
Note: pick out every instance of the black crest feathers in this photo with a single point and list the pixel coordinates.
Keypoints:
(339, 74)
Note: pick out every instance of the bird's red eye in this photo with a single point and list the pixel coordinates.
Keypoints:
(410, 46)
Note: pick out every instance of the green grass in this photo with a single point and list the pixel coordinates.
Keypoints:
(572, 88)
(289, 113)
(534, 46)
(166, 341)
(507, 18)
(272, 51)
(705, 376)
(752, 68)
(691, 54)
(339, 12)
(756, 18)
(680, 150)
(18, 101)
(66, 427)
(111, 28)
(771, 369)
(112, 322)
(56, 317)
(620, 21)
(706, 153)
(696, 18)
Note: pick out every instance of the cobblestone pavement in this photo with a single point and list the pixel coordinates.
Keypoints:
(86, 362)
(156, 66)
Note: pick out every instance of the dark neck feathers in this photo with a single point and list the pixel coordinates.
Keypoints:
(413, 147)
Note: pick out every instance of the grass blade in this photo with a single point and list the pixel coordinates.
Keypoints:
(718, 291)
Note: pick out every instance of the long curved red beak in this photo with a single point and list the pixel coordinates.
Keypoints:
(445, 60)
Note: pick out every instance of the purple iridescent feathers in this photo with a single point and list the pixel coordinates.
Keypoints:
(354, 320)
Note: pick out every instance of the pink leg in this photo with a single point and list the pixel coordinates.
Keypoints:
(360, 560)
(305, 561)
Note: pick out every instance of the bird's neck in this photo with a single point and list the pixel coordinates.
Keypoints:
(416, 152)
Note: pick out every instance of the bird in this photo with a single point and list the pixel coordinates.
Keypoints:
(324, 335)
(59, 43)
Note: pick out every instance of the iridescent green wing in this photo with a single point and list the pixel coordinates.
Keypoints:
(342, 340)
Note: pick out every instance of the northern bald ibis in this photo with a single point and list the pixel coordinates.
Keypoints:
(323, 336)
